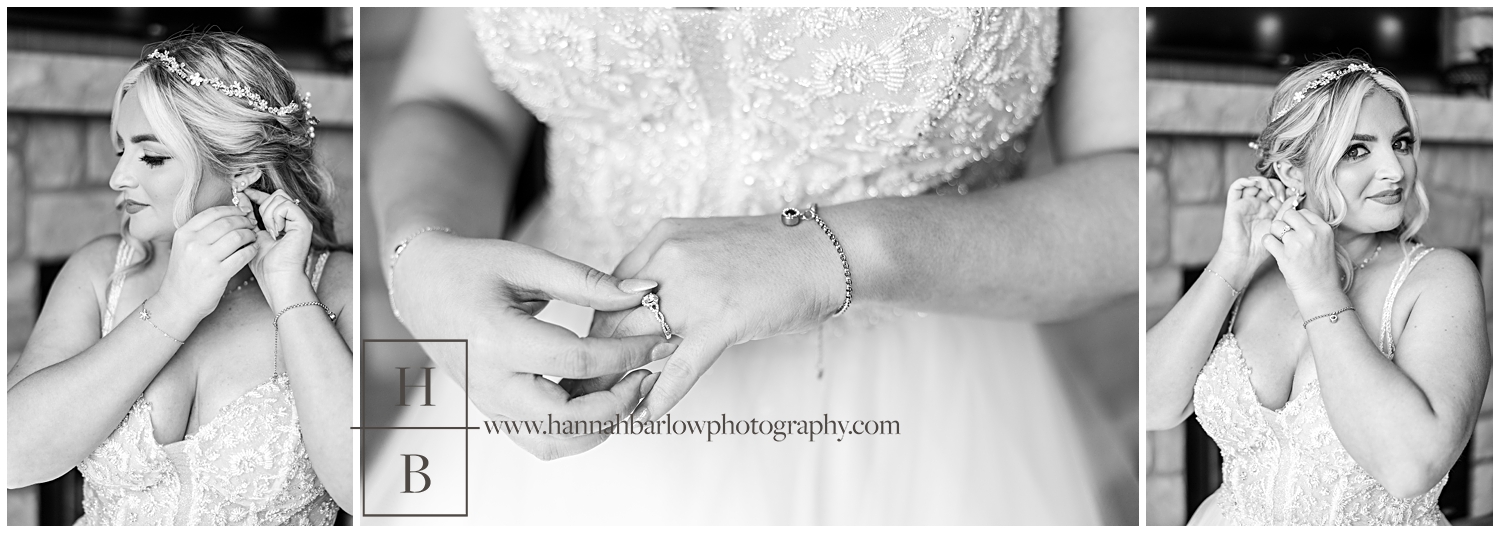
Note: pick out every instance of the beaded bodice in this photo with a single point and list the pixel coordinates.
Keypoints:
(245, 466)
(1287, 466)
(690, 113)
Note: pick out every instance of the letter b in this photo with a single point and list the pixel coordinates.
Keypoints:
(426, 481)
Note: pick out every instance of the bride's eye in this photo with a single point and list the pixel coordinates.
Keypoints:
(1356, 151)
(1403, 145)
(153, 161)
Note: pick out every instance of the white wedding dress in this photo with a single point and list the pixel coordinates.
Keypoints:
(694, 113)
(1286, 466)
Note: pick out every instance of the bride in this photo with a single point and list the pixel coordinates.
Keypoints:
(165, 360)
(677, 138)
(1349, 374)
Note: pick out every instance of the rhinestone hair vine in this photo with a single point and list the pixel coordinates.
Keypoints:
(236, 90)
(1325, 79)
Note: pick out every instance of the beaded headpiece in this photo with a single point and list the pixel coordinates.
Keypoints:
(1325, 79)
(236, 90)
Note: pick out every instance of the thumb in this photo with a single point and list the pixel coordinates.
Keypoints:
(1274, 245)
(576, 283)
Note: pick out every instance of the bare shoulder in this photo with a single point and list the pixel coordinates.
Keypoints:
(94, 261)
(1445, 269)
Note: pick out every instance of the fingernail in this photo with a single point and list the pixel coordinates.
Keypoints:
(648, 383)
(661, 351)
(637, 285)
(644, 415)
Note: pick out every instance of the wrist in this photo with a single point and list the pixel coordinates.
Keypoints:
(1316, 302)
(1237, 271)
(173, 314)
(286, 289)
(826, 260)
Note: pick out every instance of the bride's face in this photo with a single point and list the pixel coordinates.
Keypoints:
(150, 175)
(1376, 172)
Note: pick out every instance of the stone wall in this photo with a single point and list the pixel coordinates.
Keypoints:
(1196, 144)
(59, 159)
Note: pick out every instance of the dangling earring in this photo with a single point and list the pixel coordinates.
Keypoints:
(239, 187)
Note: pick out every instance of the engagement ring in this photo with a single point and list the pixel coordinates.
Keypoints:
(653, 302)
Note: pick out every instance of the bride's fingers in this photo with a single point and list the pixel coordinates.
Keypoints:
(1284, 208)
(639, 256)
(681, 373)
(555, 351)
(1237, 187)
(547, 447)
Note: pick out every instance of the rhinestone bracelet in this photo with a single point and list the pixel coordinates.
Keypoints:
(791, 217)
(390, 277)
(1232, 290)
(145, 315)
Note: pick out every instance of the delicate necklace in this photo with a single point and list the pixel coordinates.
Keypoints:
(242, 285)
(1371, 257)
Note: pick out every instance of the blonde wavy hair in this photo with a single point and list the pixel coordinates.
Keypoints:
(224, 137)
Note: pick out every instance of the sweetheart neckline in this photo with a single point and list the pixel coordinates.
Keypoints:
(1246, 371)
(146, 405)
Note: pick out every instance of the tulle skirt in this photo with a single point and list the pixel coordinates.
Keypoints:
(990, 432)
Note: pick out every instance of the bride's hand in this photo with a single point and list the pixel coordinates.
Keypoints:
(1252, 204)
(1303, 245)
(206, 251)
(488, 291)
(724, 281)
(281, 248)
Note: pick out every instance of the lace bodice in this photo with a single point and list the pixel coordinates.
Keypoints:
(246, 466)
(1287, 466)
(690, 113)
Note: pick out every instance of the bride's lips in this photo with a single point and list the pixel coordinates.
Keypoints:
(1391, 197)
(132, 206)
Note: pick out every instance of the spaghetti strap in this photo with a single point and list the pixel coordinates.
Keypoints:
(317, 269)
(1234, 313)
(112, 294)
(1387, 333)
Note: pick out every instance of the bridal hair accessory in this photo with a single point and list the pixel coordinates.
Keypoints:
(145, 315)
(390, 276)
(1325, 79)
(653, 302)
(1232, 290)
(276, 327)
(791, 217)
(1333, 318)
(235, 90)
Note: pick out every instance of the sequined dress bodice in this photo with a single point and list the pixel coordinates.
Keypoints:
(1287, 466)
(246, 466)
(690, 113)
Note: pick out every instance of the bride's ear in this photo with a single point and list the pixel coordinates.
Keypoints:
(1290, 175)
(245, 178)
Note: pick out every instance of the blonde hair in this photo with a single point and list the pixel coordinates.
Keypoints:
(1313, 133)
(223, 136)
